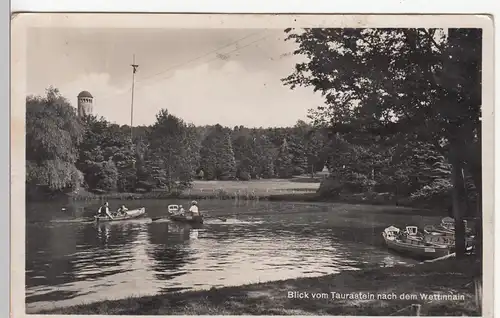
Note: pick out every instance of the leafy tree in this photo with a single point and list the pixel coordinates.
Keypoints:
(170, 159)
(104, 142)
(226, 163)
(245, 156)
(217, 155)
(425, 83)
(317, 154)
(53, 133)
(298, 144)
(265, 154)
(209, 153)
(103, 176)
(298, 150)
(201, 174)
(284, 166)
(193, 147)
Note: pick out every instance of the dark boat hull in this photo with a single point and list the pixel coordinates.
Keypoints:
(188, 220)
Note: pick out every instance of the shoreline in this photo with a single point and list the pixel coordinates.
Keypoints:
(302, 197)
(297, 189)
(416, 284)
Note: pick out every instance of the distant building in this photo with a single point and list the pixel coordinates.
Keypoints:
(85, 104)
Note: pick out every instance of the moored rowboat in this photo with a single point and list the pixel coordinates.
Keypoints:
(128, 215)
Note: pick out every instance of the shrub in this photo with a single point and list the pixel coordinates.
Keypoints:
(330, 188)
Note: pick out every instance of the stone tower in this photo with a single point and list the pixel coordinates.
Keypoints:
(85, 103)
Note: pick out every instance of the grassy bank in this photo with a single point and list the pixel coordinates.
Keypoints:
(294, 190)
(450, 277)
(243, 190)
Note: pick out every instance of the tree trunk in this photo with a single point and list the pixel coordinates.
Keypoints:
(474, 167)
(459, 205)
(478, 226)
(478, 220)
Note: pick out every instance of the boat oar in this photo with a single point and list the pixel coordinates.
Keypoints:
(159, 218)
(222, 218)
(210, 217)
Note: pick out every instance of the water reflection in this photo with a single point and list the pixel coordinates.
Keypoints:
(71, 263)
(67, 258)
(168, 249)
(56, 267)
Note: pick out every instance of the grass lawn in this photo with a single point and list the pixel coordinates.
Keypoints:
(264, 187)
(449, 277)
(254, 189)
(293, 190)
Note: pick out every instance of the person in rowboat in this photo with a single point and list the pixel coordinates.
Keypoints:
(122, 210)
(104, 211)
(181, 210)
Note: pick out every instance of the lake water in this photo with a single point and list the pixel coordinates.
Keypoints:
(70, 262)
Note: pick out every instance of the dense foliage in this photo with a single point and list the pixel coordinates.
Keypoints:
(53, 135)
(418, 85)
(168, 155)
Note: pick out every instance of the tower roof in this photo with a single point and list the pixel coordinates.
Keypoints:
(85, 94)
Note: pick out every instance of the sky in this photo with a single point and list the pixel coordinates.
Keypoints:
(204, 76)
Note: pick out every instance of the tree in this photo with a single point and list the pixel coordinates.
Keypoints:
(193, 147)
(315, 149)
(298, 145)
(298, 150)
(144, 181)
(245, 156)
(425, 83)
(103, 176)
(284, 167)
(102, 144)
(265, 156)
(226, 164)
(217, 155)
(53, 133)
(208, 154)
(170, 156)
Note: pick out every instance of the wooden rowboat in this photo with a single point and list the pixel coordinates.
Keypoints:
(409, 242)
(128, 215)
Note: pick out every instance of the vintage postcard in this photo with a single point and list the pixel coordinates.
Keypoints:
(252, 165)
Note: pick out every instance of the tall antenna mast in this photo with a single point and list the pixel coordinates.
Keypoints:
(134, 70)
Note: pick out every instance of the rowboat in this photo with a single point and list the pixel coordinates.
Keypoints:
(416, 244)
(173, 214)
(128, 215)
(187, 219)
(446, 231)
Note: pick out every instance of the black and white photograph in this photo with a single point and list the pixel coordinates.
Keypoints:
(253, 165)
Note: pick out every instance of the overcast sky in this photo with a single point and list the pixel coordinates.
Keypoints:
(231, 77)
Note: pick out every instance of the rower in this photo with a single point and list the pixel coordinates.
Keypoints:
(181, 210)
(122, 209)
(194, 209)
(104, 211)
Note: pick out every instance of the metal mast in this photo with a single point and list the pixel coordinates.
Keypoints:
(134, 70)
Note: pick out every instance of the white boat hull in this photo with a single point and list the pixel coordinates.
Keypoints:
(131, 214)
(418, 250)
